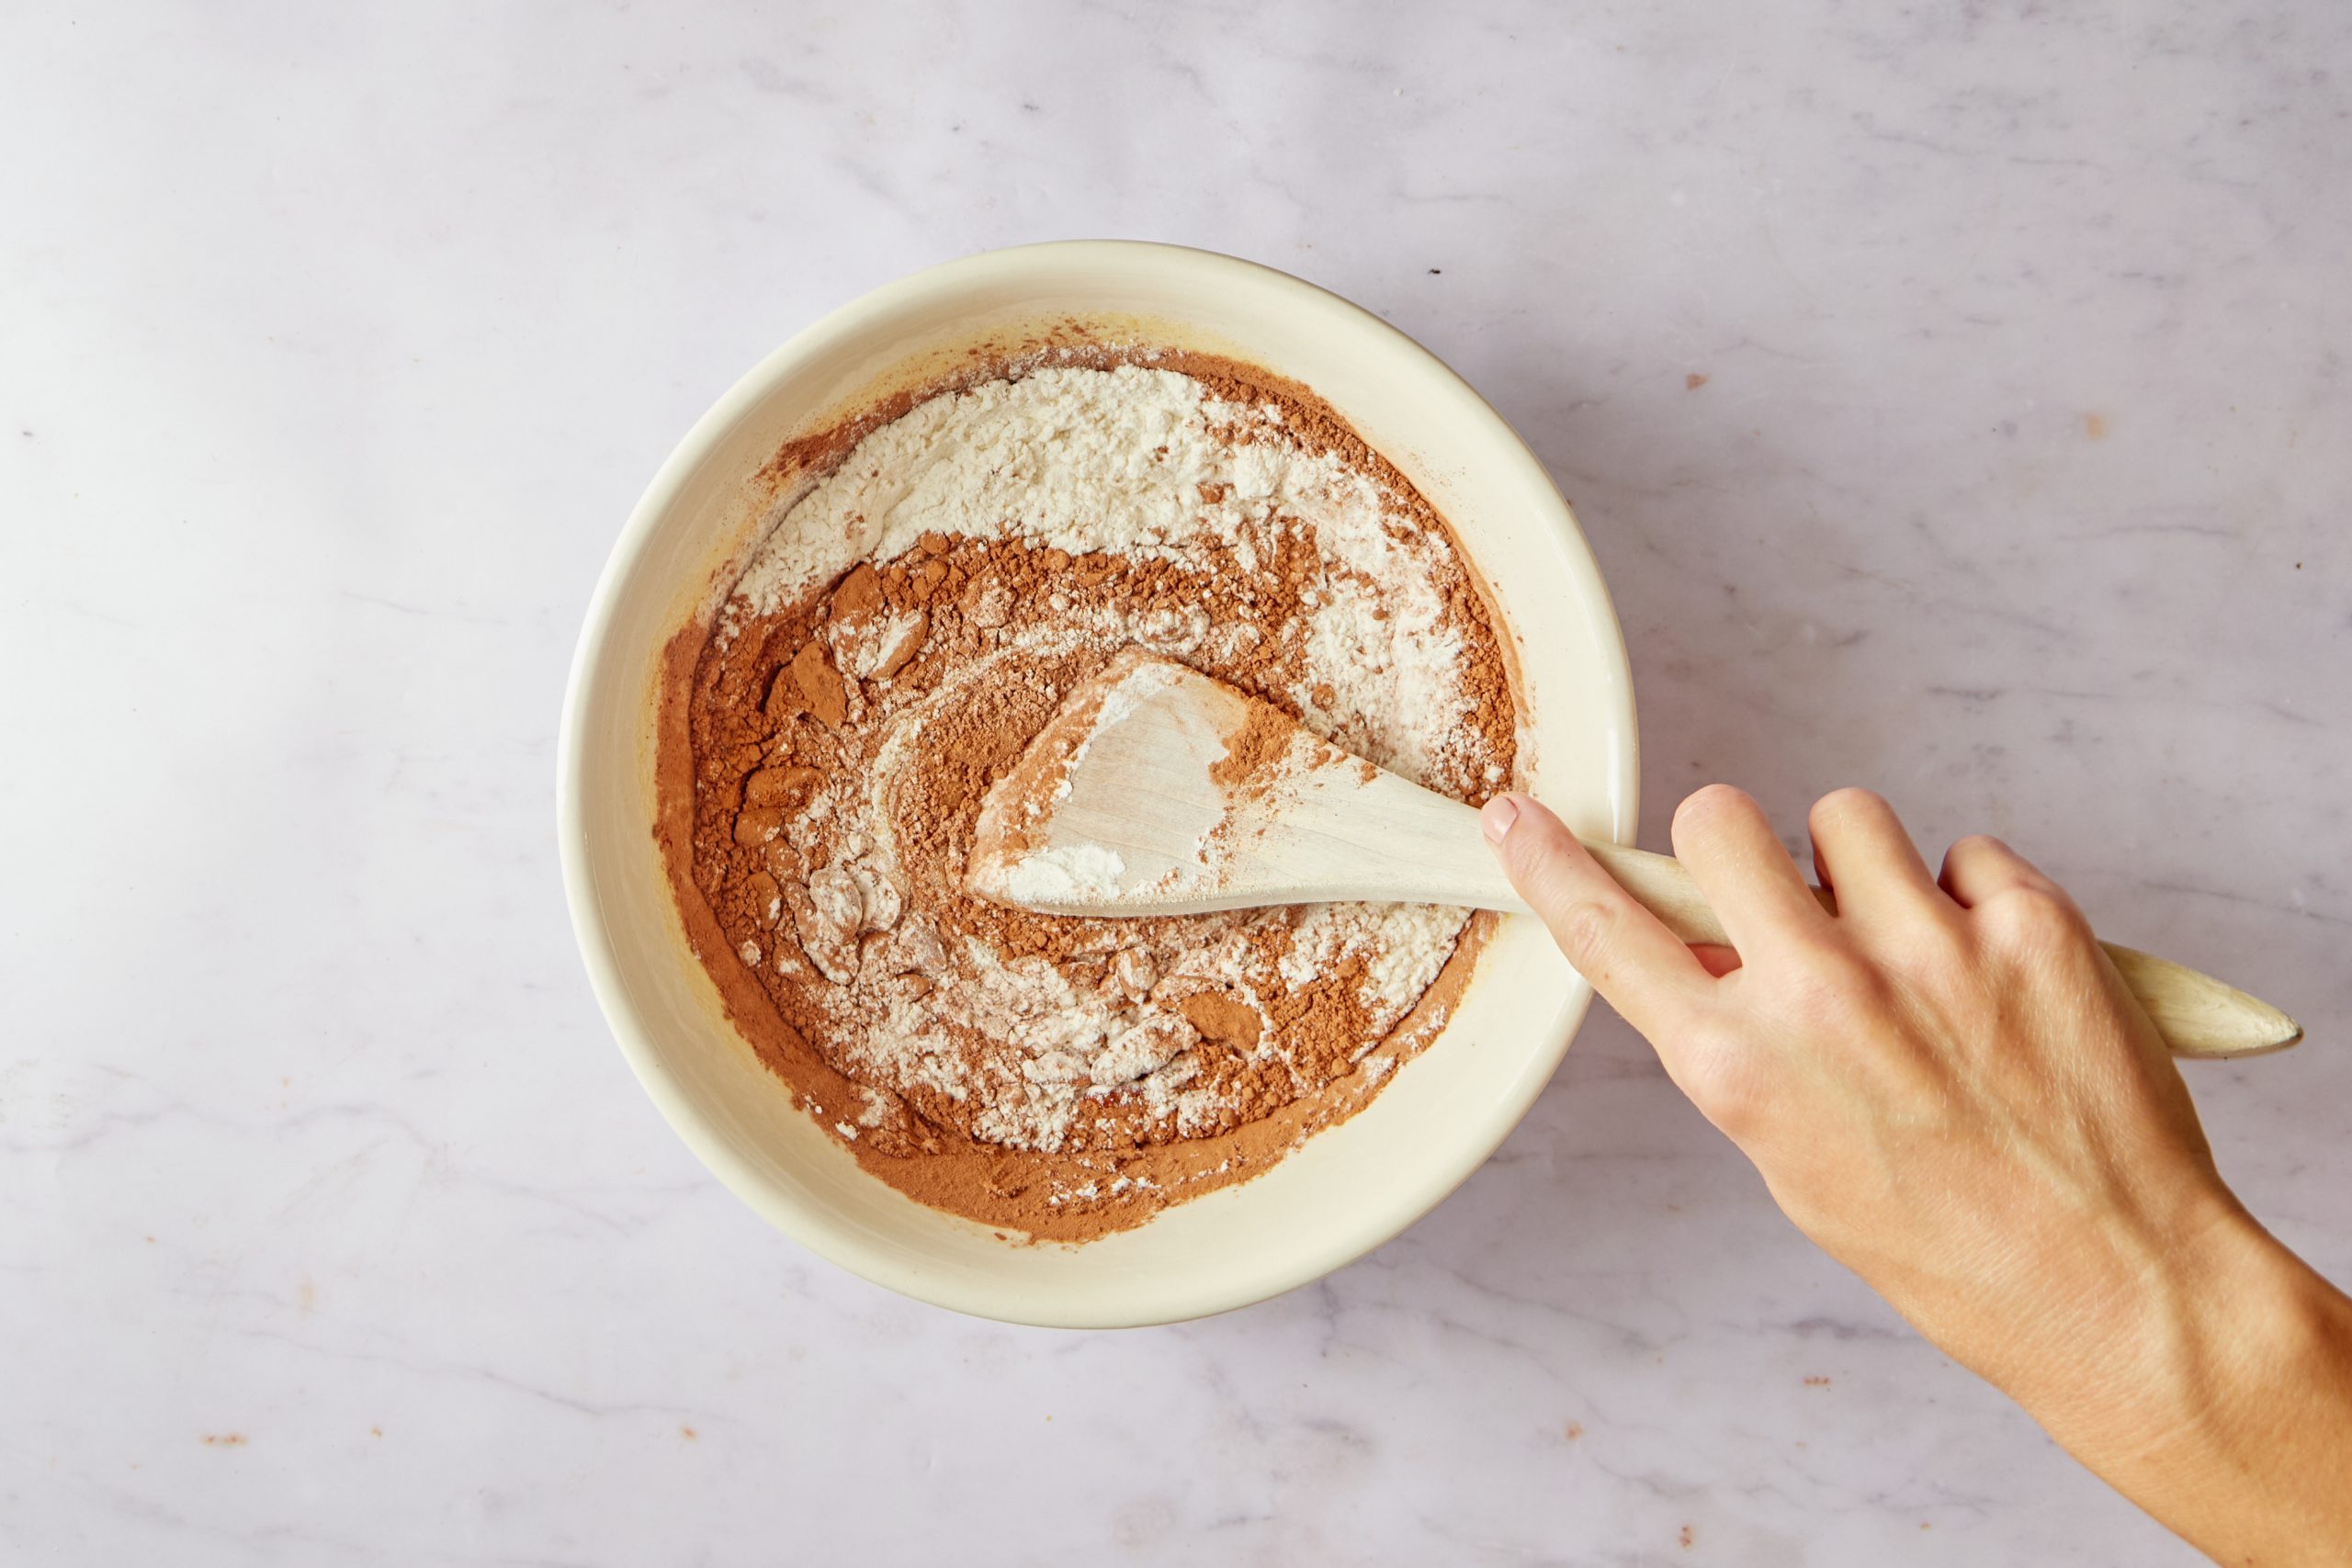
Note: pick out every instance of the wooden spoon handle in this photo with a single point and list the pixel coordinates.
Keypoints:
(2195, 1014)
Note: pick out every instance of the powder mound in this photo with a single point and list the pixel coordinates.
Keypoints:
(912, 620)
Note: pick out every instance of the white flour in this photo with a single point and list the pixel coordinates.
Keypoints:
(1120, 461)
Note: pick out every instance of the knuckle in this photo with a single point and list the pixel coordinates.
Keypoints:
(1834, 990)
(1848, 804)
(1968, 860)
(1725, 1080)
(2031, 917)
(1705, 810)
(1924, 952)
(1709, 799)
(1976, 846)
(1585, 930)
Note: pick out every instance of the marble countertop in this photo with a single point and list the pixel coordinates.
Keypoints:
(1955, 398)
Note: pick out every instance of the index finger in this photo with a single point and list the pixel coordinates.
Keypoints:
(1642, 968)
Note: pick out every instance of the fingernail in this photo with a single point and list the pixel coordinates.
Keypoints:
(1496, 816)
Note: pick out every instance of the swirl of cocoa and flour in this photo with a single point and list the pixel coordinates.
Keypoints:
(911, 620)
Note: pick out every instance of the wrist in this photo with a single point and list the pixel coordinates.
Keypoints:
(2152, 1340)
(2217, 1366)
(2087, 1319)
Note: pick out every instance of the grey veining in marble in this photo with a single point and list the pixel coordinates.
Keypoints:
(334, 344)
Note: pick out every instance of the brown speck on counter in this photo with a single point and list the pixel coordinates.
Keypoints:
(1816, 1382)
(1573, 1430)
(1689, 1538)
(224, 1440)
(2095, 426)
(1693, 381)
(688, 1433)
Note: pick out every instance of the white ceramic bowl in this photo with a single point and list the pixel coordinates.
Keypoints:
(1349, 1188)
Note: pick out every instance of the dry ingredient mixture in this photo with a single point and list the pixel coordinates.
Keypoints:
(913, 619)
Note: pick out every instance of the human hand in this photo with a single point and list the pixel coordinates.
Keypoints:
(1944, 1085)
(1947, 1087)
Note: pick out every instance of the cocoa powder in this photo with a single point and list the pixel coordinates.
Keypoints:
(820, 770)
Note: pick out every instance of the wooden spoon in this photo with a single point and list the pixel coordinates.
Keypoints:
(1158, 791)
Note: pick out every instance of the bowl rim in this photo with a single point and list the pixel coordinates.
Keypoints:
(663, 491)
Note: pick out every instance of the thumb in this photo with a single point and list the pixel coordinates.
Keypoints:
(1642, 968)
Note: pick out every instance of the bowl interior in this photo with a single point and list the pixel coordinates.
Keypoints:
(1349, 1188)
